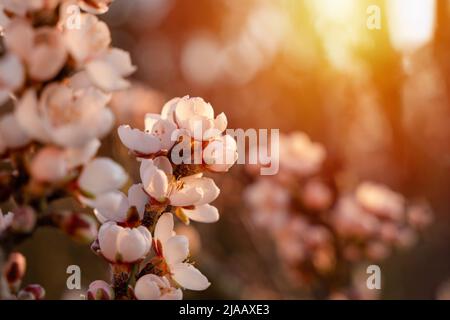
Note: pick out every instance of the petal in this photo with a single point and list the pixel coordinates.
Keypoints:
(204, 213)
(187, 196)
(12, 134)
(80, 156)
(155, 183)
(138, 198)
(112, 206)
(29, 119)
(206, 186)
(146, 288)
(176, 249)
(102, 175)
(160, 128)
(104, 76)
(163, 163)
(189, 277)
(138, 141)
(49, 165)
(120, 61)
(107, 239)
(168, 110)
(132, 245)
(172, 294)
(12, 72)
(164, 227)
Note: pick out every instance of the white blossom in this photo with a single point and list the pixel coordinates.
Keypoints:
(100, 176)
(119, 244)
(175, 250)
(152, 287)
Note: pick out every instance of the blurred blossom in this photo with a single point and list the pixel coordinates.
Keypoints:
(411, 23)
(131, 105)
(321, 229)
(200, 60)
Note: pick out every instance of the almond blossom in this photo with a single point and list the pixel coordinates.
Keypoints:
(174, 249)
(152, 287)
(127, 245)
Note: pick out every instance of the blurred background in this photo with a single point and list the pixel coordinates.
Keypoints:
(369, 80)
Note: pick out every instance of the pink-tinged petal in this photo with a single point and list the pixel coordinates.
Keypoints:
(112, 206)
(221, 154)
(189, 277)
(19, 37)
(187, 196)
(12, 73)
(120, 61)
(107, 239)
(49, 54)
(13, 135)
(138, 198)
(205, 213)
(155, 183)
(160, 128)
(76, 157)
(163, 164)
(205, 186)
(95, 7)
(221, 122)
(133, 245)
(176, 249)
(164, 227)
(102, 175)
(138, 141)
(49, 165)
(172, 294)
(168, 110)
(105, 123)
(89, 41)
(146, 288)
(104, 76)
(188, 108)
(28, 117)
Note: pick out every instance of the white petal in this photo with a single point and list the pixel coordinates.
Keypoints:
(155, 183)
(133, 245)
(146, 288)
(104, 76)
(187, 196)
(138, 198)
(163, 163)
(138, 141)
(120, 61)
(206, 186)
(204, 213)
(80, 156)
(164, 227)
(28, 117)
(102, 175)
(176, 249)
(160, 128)
(112, 206)
(189, 277)
(168, 110)
(107, 238)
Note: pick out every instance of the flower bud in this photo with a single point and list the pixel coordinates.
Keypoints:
(100, 290)
(31, 292)
(14, 269)
(127, 245)
(79, 226)
(24, 219)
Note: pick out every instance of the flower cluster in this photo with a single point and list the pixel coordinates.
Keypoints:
(57, 74)
(149, 260)
(321, 228)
